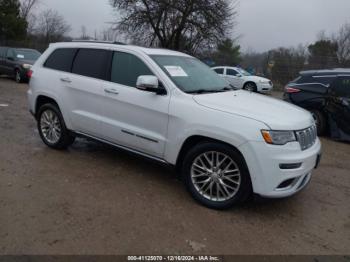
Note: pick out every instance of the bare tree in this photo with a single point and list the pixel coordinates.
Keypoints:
(51, 26)
(108, 34)
(286, 63)
(27, 7)
(186, 25)
(343, 41)
(83, 34)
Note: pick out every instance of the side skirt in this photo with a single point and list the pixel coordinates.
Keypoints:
(157, 159)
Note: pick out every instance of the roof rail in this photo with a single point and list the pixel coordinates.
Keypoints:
(99, 42)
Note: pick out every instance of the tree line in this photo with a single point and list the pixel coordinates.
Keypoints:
(284, 64)
(20, 26)
(203, 28)
(198, 27)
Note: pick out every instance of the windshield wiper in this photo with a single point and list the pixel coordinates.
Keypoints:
(204, 91)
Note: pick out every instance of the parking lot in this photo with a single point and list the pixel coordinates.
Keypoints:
(94, 199)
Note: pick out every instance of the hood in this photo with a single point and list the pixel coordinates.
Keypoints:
(276, 114)
(257, 78)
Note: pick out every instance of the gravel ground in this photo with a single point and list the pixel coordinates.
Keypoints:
(93, 199)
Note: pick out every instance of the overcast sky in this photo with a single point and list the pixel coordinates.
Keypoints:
(262, 24)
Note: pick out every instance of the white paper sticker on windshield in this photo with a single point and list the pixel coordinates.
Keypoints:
(20, 56)
(176, 71)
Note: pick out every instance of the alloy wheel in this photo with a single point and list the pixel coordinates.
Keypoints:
(250, 87)
(50, 126)
(18, 77)
(215, 176)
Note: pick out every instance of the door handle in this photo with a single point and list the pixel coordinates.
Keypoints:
(66, 80)
(111, 91)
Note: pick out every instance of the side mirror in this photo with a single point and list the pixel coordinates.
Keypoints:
(239, 75)
(149, 83)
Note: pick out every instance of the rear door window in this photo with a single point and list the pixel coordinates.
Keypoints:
(93, 63)
(126, 68)
(61, 59)
(341, 87)
(220, 71)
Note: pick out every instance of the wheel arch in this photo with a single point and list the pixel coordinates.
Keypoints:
(42, 100)
(195, 140)
(248, 82)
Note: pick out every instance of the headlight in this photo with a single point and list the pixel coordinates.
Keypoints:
(278, 137)
(26, 66)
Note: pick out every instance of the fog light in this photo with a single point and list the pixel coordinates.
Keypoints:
(286, 184)
(290, 166)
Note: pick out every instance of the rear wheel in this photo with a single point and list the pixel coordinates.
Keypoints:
(52, 128)
(250, 86)
(320, 121)
(216, 175)
(18, 76)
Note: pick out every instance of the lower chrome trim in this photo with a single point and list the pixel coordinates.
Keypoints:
(139, 136)
(123, 147)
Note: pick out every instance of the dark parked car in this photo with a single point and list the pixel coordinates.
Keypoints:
(16, 62)
(326, 94)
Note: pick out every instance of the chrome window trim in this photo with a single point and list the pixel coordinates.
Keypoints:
(313, 83)
(324, 76)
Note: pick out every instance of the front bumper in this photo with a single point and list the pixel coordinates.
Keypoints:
(264, 164)
(264, 87)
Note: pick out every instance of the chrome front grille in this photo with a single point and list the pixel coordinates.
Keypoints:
(307, 137)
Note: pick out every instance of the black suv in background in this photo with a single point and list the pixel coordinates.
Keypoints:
(16, 62)
(326, 94)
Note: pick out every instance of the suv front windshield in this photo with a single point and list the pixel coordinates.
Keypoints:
(191, 75)
(26, 54)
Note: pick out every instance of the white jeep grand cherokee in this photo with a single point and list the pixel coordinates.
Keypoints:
(170, 107)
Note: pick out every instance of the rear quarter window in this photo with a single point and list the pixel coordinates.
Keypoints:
(325, 80)
(305, 79)
(61, 59)
(296, 80)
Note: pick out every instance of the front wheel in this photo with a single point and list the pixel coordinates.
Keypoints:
(320, 121)
(251, 87)
(52, 128)
(216, 175)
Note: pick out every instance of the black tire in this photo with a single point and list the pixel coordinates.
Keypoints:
(18, 76)
(244, 190)
(320, 120)
(250, 86)
(65, 138)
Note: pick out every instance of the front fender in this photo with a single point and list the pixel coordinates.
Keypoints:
(180, 132)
